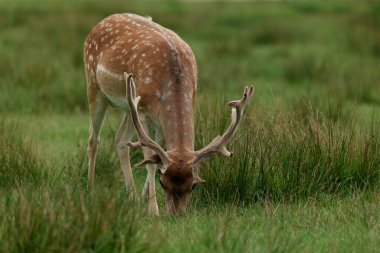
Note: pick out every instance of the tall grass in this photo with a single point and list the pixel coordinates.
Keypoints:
(20, 163)
(281, 158)
(288, 157)
(71, 222)
(48, 209)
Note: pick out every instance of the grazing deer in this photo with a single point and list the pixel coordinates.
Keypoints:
(164, 69)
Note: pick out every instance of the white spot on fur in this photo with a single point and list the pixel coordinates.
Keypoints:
(148, 80)
(166, 95)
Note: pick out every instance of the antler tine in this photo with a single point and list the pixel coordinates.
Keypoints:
(196, 178)
(218, 144)
(144, 139)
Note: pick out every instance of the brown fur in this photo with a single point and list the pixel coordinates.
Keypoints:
(158, 67)
(165, 74)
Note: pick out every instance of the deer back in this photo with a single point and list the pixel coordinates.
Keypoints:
(162, 64)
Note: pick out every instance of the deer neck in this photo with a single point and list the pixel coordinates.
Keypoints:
(177, 121)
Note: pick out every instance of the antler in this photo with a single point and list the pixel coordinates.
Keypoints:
(144, 139)
(218, 144)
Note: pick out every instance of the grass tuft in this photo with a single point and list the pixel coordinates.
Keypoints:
(289, 158)
(72, 221)
(20, 163)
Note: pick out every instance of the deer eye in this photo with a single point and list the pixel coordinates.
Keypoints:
(193, 187)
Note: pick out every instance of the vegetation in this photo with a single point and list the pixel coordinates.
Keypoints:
(305, 175)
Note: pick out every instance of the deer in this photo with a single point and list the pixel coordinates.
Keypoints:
(150, 74)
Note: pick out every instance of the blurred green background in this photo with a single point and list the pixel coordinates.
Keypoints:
(303, 50)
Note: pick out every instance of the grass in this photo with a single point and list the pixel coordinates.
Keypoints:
(287, 157)
(20, 165)
(305, 175)
(56, 212)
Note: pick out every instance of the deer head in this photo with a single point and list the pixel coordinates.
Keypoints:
(179, 169)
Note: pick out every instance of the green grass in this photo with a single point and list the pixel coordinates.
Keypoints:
(305, 175)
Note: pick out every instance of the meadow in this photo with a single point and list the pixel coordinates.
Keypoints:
(306, 172)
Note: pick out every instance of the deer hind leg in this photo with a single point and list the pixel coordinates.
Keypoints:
(98, 106)
(149, 190)
(123, 135)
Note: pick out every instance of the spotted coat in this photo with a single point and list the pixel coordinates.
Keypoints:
(162, 64)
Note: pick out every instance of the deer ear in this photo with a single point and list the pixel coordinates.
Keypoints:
(154, 159)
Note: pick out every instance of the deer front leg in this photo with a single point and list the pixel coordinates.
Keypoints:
(123, 135)
(159, 138)
(149, 189)
(150, 184)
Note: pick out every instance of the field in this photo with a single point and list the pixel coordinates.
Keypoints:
(306, 172)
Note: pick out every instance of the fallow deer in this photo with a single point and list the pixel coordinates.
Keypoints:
(125, 49)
